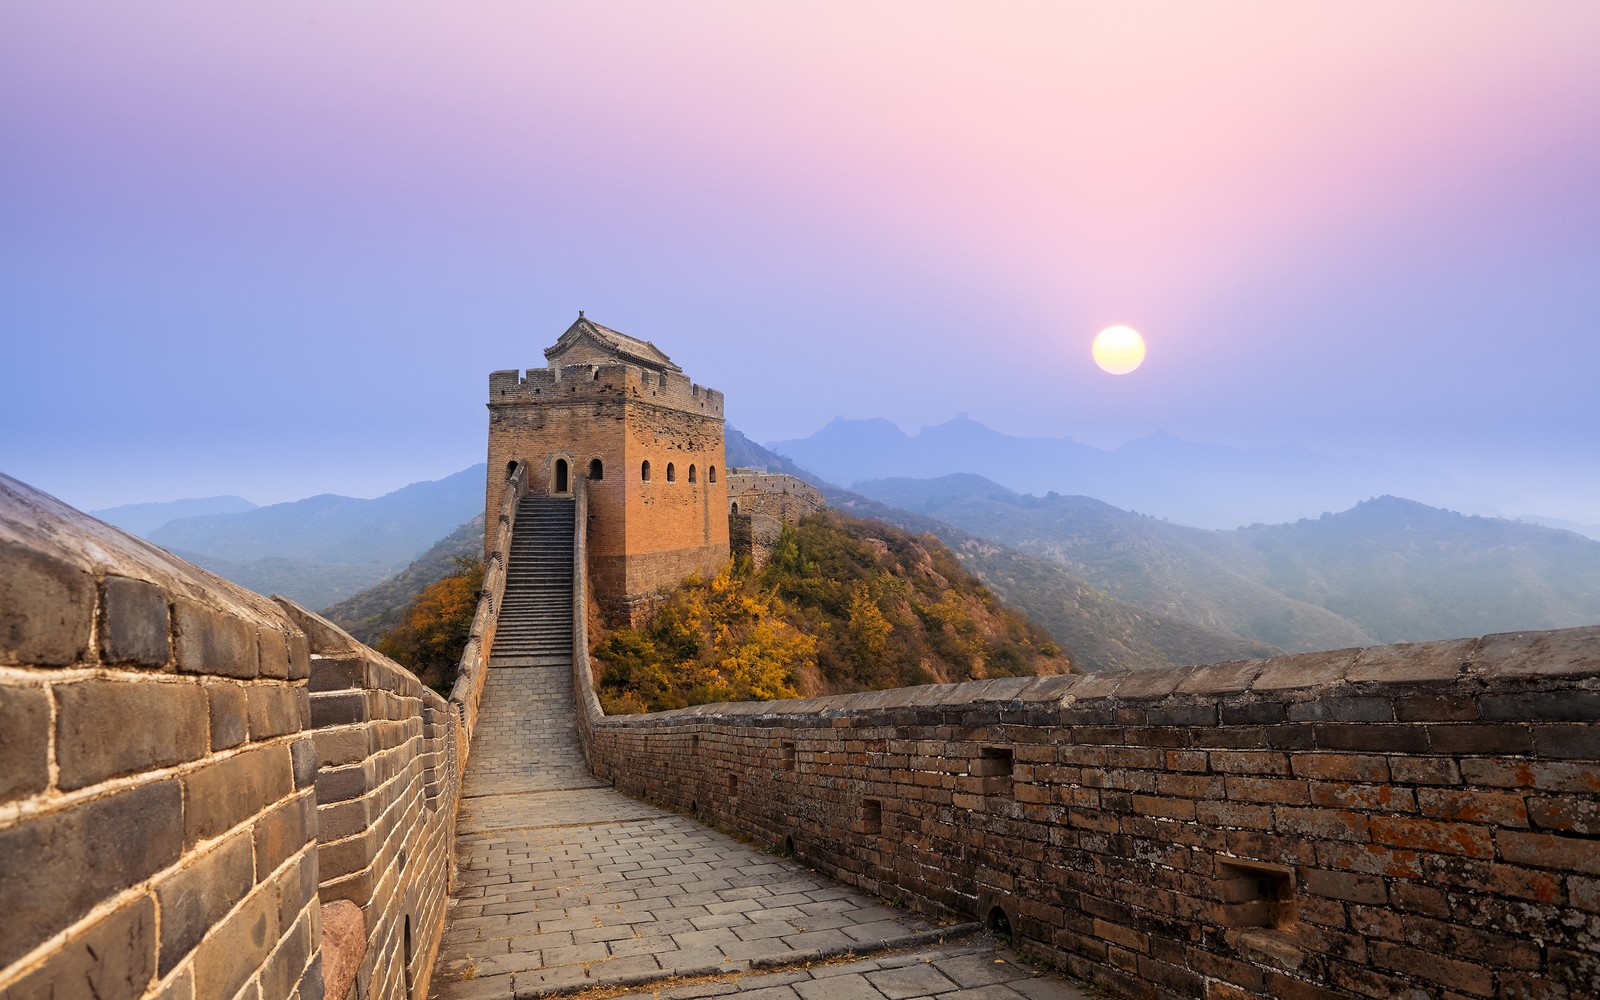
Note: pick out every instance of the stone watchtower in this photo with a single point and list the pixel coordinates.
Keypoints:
(616, 411)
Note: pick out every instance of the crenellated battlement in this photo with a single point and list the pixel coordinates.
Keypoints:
(596, 382)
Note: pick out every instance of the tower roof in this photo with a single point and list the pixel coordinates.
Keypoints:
(612, 342)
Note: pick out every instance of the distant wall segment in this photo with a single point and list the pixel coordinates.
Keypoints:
(1404, 820)
(204, 792)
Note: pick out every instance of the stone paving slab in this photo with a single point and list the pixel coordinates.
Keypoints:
(962, 971)
(565, 884)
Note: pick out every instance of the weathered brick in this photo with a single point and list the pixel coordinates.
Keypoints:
(1480, 738)
(1284, 790)
(1254, 763)
(340, 709)
(1431, 835)
(56, 866)
(1373, 737)
(1473, 806)
(214, 642)
(299, 656)
(1551, 776)
(196, 896)
(135, 626)
(1538, 654)
(225, 793)
(303, 755)
(108, 728)
(1341, 767)
(1543, 850)
(1567, 815)
(340, 673)
(24, 741)
(274, 648)
(1437, 708)
(238, 946)
(112, 959)
(1581, 741)
(288, 963)
(1342, 795)
(1434, 968)
(275, 710)
(46, 609)
(284, 831)
(1254, 713)
(341, 747)
(1352, 886)
(1365, 709)
(1322, 824)
(1424, 770)
(1547, 706)
(229, 710)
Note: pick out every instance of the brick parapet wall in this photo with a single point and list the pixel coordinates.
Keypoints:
(387, 784)
(472, 669)
(157, 828)
(1395, 821)
(186, 767)
(591, 382)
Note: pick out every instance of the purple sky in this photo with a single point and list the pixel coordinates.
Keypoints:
(275, 249)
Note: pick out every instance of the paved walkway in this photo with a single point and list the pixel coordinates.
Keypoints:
(567, 886)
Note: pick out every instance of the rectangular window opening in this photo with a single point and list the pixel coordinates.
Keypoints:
(786, 754)
(871, 816)
(1257, 893)
(993, 762)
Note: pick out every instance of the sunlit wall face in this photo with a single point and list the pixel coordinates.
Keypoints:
(1355, 219)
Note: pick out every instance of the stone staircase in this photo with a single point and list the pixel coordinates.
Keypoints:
(535, 626)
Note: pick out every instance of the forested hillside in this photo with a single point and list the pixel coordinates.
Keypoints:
(843, 605)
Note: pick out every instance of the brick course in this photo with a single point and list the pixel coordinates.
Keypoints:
(1264, 829)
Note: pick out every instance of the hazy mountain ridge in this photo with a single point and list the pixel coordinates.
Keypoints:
(1387, 570)
(1192, 483)
(324, 548)
(143, 518)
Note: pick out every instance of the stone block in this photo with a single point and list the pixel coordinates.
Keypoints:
(230, 956)
(274, 653)
(276, 710)
(225, 793)
(108, 728)
(288, 963)
(24, 741)
(198, 895)
(299, 656)
(229, 708)
(112, 959)
(46, 609)
(55, 867)
(340, 673)
(339, 709)
(1572, 651)
(284, 831)
(303, 757)
(214, 642)
(1306, 670)
(1542, 706)
(1413, 662)
(135, 625)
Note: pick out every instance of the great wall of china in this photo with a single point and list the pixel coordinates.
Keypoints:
(205, 793)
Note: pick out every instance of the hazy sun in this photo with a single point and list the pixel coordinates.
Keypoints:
(1119, 349)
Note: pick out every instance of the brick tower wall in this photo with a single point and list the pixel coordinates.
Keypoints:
(643, 536)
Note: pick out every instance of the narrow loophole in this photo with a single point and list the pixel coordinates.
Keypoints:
(871, 816)
(786, 754)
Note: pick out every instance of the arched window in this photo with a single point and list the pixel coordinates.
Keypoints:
(644, 471)
(672, 473)
(596, 470)
(711, 473)
(511, 467)
(692, 479)
(736, 509)
(561, 476)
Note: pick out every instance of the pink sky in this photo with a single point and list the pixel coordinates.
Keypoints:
(1366, 227)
